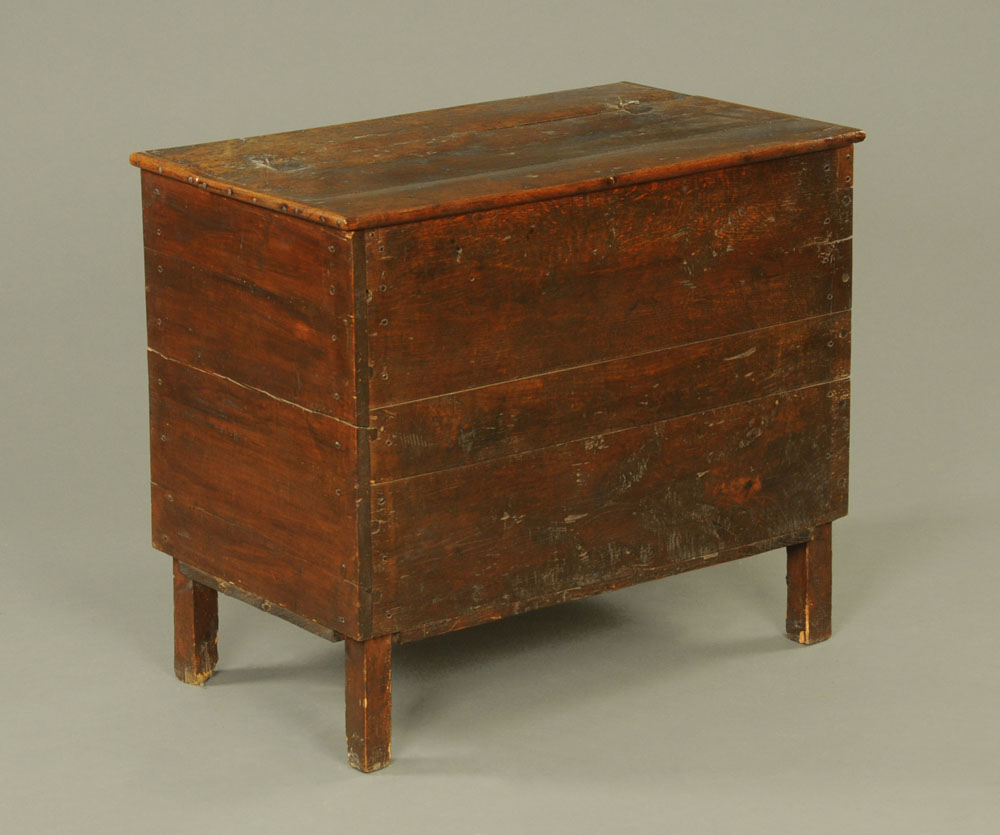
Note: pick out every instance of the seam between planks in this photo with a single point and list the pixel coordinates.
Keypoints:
(623, 358)
(252, 388)
(784, 393)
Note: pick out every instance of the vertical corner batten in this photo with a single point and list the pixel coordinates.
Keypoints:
(362, 374)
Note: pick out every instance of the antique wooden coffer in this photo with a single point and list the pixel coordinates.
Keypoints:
(413, 374)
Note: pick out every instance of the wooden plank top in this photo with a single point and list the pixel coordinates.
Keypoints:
(392, 170)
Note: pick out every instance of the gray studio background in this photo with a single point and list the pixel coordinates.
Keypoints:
(677, 706)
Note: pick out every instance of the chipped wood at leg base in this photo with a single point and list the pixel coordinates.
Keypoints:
(368, 675)
(807, 619)
(196, 627)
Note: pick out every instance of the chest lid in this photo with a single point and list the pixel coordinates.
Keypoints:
(480, 156)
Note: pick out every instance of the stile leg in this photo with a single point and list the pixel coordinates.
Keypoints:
(369, 702)
(196, 626)
(807, 619)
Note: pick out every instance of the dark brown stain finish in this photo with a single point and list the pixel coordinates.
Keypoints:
(494, 537)
(255, 491)
(414, 374)
(460, 159)
(480, 299)
(264, 299)
(368, 674)
(196, 629)
(507, 418)
(810, 578)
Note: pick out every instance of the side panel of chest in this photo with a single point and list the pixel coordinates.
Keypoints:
(253, 401)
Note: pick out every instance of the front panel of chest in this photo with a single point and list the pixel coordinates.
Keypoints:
(583, 393)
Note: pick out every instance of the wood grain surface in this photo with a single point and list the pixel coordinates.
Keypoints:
(462, 302)
(264, 299)
(490, 539)
(196, 629)
(256, 491)
(460, 159)
(629, 307)
(528, 413)
(810, 588)
(368, 676)
(413, 374)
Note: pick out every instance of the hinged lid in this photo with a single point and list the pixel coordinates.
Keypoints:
(459, 159)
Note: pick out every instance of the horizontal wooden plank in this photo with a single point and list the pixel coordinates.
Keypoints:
(478, 299)
(606, 166)
(641, 573)
(487, 155)
(484, 423)
(252, 568)
(268, 606)
(605, 511)
(256, 491)
(264, 299)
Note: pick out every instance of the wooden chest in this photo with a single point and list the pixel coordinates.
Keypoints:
(413, 374)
